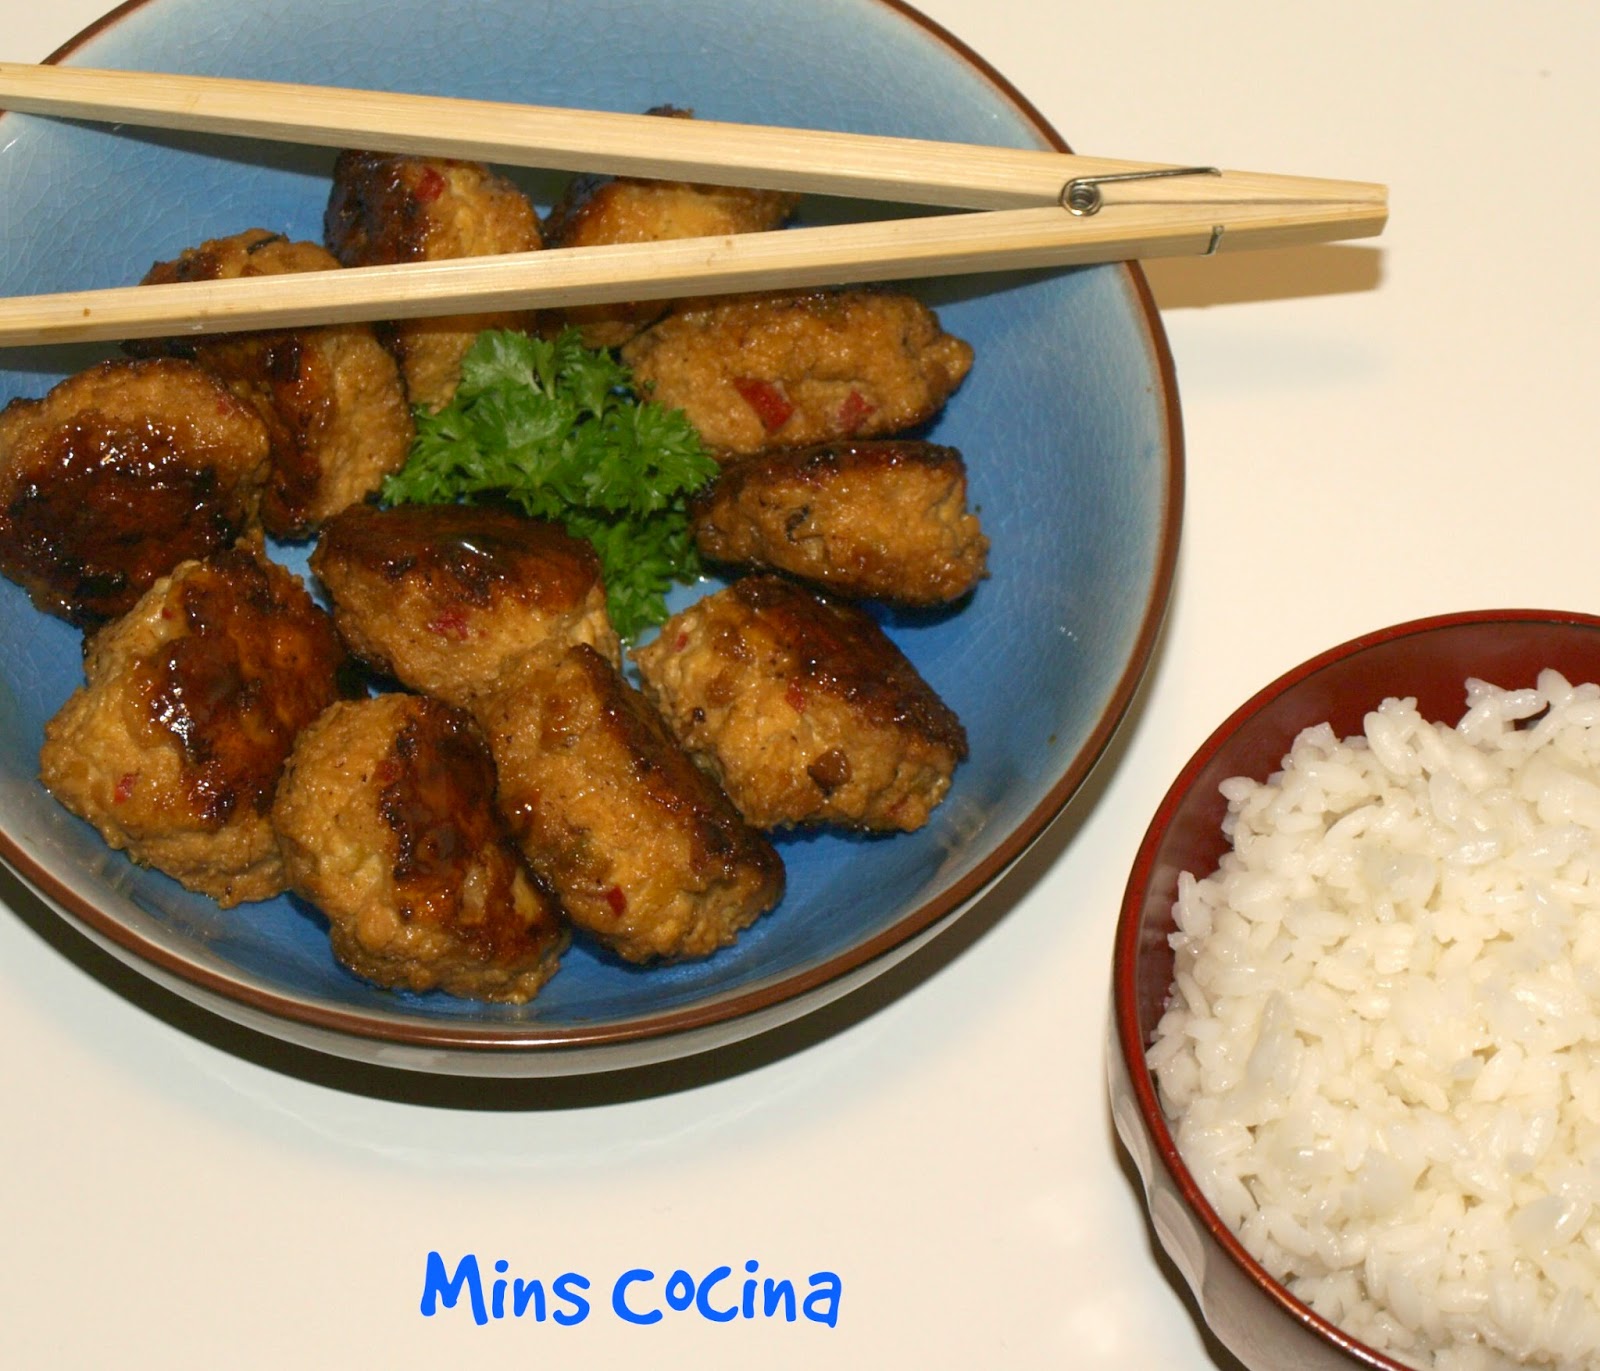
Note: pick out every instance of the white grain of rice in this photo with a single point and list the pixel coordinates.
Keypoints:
(1381, 1057)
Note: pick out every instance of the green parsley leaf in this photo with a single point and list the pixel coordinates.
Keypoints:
(552, 428)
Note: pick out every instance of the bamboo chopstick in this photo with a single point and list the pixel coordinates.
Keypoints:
(1133, 209)
(949, 244)
(557, 139)
(908, 170)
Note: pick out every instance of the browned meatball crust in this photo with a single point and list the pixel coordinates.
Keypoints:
(387, 823)
(116, 476)
(441, 596)
(642, 849)
(331, 398)
(387, 208)
(803, 709)
(883, 519)
(793, 369)
(174, 746)
(596, 210)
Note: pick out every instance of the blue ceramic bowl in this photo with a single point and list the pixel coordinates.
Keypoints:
(1069, 424)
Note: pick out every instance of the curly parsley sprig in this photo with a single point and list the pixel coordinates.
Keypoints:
(551, 427)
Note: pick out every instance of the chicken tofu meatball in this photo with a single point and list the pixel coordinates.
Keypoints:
(331, 398)
(642, 849)
(117, 475)
(387, 823)
(174, 745)
(803, 709)
(597, 210)
(387, 208)
(440, 597)
(883, 519)
(794, 369)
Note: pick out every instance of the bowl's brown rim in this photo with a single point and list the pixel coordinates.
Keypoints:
(1128, 940)
(447, 1034)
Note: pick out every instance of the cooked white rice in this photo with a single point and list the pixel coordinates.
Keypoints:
(1382, 1053)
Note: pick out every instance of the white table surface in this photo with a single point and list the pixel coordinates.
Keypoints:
(177, 1195)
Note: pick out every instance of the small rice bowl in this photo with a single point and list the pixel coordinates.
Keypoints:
(1381, 1055)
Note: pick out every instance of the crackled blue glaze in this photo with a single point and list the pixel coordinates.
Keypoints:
(1064, 422)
